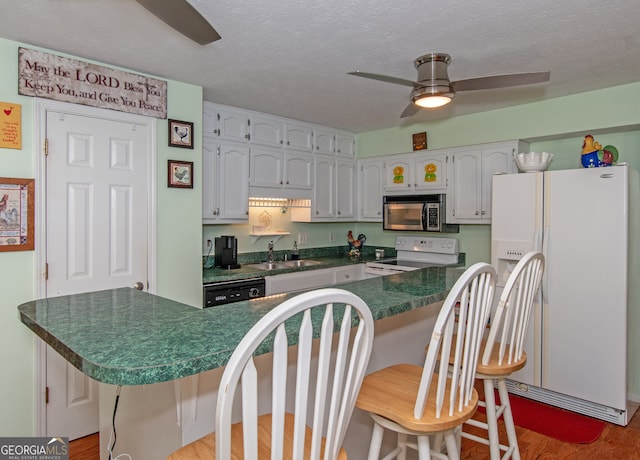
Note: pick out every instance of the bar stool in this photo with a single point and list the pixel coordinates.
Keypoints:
(434, 399)
(503, 353)
(325, 392)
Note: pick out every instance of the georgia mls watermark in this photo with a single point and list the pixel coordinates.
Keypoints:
(40, 448)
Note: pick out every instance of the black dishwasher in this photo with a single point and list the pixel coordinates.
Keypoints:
(233, 291)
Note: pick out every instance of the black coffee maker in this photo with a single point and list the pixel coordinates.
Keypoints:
(226, 252)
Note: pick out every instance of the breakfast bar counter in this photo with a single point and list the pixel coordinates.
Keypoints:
(129, 337)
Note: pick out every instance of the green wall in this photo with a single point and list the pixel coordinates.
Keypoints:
(178, 241)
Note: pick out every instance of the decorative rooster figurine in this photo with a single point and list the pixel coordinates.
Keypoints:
(355, 245)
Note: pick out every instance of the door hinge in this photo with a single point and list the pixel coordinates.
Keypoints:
(46, 395)
(46, 271)
(46, 147)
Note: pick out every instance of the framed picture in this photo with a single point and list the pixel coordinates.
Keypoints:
(180, 134)
(180, 174)
(420, 141)
(16, 214)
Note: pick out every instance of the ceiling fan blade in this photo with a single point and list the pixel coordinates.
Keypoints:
(180, 15)
(386, 78)
(501, 81)
(409, 110)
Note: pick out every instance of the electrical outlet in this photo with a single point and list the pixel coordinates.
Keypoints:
(332, 237)
(302, 238)
(209, 243)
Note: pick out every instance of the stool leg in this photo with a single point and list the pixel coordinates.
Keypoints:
(508, 419)
(424, 448)
(402, 444)
(492, 420)
(376, 442)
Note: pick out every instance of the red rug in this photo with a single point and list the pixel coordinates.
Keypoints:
(554, 422)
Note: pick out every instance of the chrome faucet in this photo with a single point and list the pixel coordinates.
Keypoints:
(271, 251)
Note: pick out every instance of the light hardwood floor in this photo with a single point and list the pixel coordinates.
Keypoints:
(616, 442)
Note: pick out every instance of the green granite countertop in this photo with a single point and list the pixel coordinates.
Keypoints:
(129, 337)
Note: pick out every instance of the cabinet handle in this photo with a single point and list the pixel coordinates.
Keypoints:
(288, 143)
(317, 212)
(339, 212)
(287, 182)
(247, 136)
(216, 211)
(281, 141)
(409, 185)
(483, 212)
(477, 213)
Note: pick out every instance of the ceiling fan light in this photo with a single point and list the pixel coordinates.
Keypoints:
(429, 101)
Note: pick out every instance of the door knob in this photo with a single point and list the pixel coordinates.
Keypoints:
(139, 286)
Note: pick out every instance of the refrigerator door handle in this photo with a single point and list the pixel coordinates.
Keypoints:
(545, 276)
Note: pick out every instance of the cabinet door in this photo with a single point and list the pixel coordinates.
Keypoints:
(266, 130)
(290, 282)
(345, 188)
(431, 172)
(209, 121)
(233, 181)
(348, 273)
(345, 144)
(233, 125)
(299, 136)
(266, 167)
(210, 207)
(494, 161)
(325, 186)
(466, 197)
(398, 174)
(370, 190)
(324, 141)
(298, 170)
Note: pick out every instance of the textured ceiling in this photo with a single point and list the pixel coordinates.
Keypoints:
(291, 58)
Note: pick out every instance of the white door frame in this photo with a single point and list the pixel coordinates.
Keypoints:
(41, 107)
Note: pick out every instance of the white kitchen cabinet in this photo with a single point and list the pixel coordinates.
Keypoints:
(266, 130)
(225, 123)
(416, 172)
(345, 189)
(225, 182)
(370, 189)
(333, 192)
(298, 281)
(324, 194)
(280, 169)
(471, 170)
(298, 136)
(324, 140)
(345, 144)
(398, 173)
(313, 279)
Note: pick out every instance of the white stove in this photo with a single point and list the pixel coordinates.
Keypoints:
(415, 252)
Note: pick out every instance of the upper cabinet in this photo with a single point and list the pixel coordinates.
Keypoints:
(416, 173)
(266, 130)
(224, 123)
(282, 158)
(298, 136)
(225, 188)
(471, 171)
(370, 189)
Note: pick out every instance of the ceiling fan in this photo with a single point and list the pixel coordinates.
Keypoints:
(180, 15)
(434, 89)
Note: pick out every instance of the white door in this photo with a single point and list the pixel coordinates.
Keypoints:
(96, 236)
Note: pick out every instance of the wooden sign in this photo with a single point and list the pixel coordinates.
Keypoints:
(10, 126)
(62, 79)
(420, 141)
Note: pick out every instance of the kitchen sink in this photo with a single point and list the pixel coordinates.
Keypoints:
(284, 264)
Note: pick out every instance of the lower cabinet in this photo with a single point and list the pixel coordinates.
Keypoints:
(311, 279)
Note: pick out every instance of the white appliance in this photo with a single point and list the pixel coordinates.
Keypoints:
(583, 347)
(415, 252)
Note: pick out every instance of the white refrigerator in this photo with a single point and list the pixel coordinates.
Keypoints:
(583, 347)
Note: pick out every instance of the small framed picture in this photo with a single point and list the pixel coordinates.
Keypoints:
(420, 141)
(181, 134)
(180, 174)
(16, 214)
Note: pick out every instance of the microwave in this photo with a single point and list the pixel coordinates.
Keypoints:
(422, 213)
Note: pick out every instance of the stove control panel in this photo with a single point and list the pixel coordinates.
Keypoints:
(427, 244)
